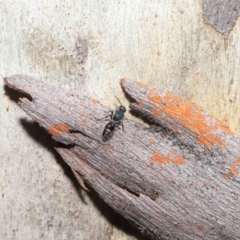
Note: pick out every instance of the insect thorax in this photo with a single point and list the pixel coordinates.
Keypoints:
(118, 115)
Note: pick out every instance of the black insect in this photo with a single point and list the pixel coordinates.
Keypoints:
(116, 121)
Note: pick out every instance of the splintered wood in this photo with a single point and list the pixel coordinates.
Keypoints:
(177, 179)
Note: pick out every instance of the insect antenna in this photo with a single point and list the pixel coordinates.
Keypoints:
(118, 100)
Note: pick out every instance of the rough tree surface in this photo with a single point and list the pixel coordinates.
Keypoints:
(178, 179)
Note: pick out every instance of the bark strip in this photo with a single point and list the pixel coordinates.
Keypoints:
(178, 179)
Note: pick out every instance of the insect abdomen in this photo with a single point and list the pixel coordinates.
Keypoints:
(109, 128)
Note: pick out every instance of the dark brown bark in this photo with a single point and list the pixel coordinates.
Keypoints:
(176, 180)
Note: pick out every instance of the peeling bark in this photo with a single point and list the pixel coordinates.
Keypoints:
(178, 179)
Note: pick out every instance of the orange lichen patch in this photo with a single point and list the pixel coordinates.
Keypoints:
(157, 112)
(156, 157)
(162, 159)
(152, 140)
(166, 118)
(200, 228)
(233, 169)
(237, 161)
(106, 147)
(154, 97)
(174, 128)
(189, 116)
(224, 175)
(142, 85)
(85, 118)
(141, 104)
(58, 129)
(117, 132)
(68, 94)
(177, 159)
(123, 80)
(94, 101)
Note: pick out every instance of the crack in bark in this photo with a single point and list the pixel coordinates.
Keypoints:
(85, 135)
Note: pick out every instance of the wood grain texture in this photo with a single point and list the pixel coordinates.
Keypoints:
(177, 180)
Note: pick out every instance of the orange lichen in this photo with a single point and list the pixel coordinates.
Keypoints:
(123, 80)
(156, 157)
(174, 128)
(94, 101)
(189, 116)
(85, 119)
(178, 159)
(141, 104)
(224, 175)
(233, 169)
(154, 97)
(152, 140)
(166, 118)
(142, 85)
(163, 159)
(200, 228)
(237, 161)
(58, 128)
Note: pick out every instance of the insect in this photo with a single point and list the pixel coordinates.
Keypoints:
(116, 120)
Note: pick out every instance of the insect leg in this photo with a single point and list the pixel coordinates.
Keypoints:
(122, 125)
(109, 115)
(118, 125)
